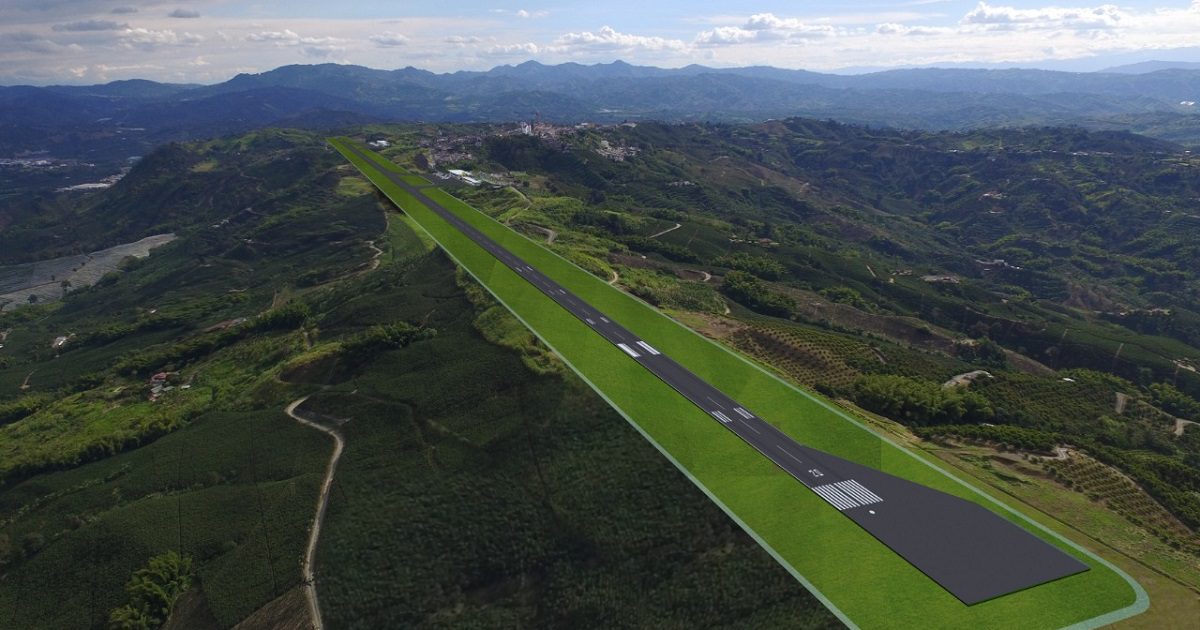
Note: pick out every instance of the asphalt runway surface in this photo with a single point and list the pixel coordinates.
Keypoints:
(970, 551)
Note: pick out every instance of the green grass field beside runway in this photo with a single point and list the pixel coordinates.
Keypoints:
(855, 574)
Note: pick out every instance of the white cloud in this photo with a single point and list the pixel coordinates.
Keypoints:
(986, 33)
(388, 39)
(312, 47)
(509, 50)
(525, 15)
(150, 39)
(608, 39)
(288, 37)
(35, 43)
(460, 40)
(891, 28)
(285, 36)
(186, 14)
(1047, 18)
(725, 35)
(46, 39)
(766, 26)
(89, 25)
(321, 52)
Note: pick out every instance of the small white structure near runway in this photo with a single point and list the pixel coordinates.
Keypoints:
(465, 176)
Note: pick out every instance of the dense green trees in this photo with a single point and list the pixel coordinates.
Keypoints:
(1011, 436)
(748, 290)
(1174, 401)
(287, 317)
(13, 410)
(383, 337)
(761, 266)
(919, 403)
(845, 295)
(983, 352)
(153, 591)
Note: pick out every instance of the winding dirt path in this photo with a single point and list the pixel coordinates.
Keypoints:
(375, 255)
(310, 551)
(670, 229)
(551, 234)
(615, 277)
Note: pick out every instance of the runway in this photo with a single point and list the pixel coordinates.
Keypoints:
(970, 551)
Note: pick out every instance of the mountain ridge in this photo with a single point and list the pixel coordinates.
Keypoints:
(126, 118)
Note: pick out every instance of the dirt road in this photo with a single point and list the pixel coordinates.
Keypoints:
(309, 578)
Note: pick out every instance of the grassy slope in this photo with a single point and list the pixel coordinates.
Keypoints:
(859, 576)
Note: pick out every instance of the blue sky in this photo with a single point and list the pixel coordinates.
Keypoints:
(85, 41)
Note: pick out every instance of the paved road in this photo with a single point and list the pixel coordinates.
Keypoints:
(968, 550)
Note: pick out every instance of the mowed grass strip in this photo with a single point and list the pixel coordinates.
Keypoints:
(856, 574)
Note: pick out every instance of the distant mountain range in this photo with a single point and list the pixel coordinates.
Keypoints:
(1153, 66)
(127, 117)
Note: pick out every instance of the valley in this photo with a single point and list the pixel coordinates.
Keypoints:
(820, 252)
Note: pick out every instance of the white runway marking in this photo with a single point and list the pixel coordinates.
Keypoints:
(628, 350)
(847, 494)
(647, 347)
(722, 417)
(858, 491)
(835, 497)
(789, 454)
(743, 413)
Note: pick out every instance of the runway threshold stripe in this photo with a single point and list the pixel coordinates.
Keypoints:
(870, 497)
(628, 350)
(743, 413)
(835, 498)
(722, 417)
(850, 490)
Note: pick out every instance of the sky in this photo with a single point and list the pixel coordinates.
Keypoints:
(208, 41)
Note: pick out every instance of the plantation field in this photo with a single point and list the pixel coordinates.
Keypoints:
(95, 477)
(46, 279)
(231, 489)
(854, 574)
